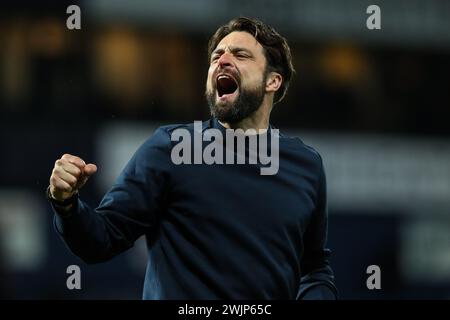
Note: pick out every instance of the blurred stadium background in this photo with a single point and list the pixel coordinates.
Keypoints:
(376, 104)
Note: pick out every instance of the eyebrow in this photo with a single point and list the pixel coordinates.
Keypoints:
(232, 50)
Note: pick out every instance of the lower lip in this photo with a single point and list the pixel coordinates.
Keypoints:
(229, 96)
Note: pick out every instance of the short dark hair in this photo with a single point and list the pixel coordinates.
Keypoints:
(276, 48)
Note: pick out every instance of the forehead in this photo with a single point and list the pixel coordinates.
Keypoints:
(240, 39)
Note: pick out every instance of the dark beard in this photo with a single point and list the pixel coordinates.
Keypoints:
(246, 103)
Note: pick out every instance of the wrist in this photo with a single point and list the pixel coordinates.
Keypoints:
(65, 204)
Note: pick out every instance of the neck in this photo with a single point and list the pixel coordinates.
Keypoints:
(258, 120)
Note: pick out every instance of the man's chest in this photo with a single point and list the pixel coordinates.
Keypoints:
(220, 193)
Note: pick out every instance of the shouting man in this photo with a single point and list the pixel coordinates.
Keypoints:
(221, 229)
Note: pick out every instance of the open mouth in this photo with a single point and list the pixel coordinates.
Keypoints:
(225, 85)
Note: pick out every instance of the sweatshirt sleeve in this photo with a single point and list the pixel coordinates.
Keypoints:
(131, 208)
(317, 280)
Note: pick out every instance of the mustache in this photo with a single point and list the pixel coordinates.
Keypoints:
(234, 73)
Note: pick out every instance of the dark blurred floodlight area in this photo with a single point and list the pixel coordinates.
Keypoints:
(374, 103)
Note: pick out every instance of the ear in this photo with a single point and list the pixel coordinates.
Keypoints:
(273, 82)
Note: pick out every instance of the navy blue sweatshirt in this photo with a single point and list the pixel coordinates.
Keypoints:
(214, 231)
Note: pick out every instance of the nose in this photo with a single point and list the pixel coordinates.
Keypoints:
(225, 60)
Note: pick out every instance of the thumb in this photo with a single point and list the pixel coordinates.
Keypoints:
(90, 169)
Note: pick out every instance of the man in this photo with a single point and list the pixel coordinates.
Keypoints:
(215, 231)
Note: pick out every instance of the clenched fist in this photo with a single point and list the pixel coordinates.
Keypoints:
(68, 176)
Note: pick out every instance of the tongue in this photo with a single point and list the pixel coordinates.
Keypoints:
(226, 86)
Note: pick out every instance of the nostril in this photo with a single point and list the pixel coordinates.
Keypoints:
(224, 63)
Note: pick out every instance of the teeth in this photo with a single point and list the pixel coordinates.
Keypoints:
(223, 77)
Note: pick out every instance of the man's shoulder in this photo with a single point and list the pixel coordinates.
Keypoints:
(295, 143)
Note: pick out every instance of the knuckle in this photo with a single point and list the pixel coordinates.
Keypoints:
(77, 173)
(73, 181)
(80, 161)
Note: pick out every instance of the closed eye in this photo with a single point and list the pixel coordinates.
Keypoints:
(242, 56)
